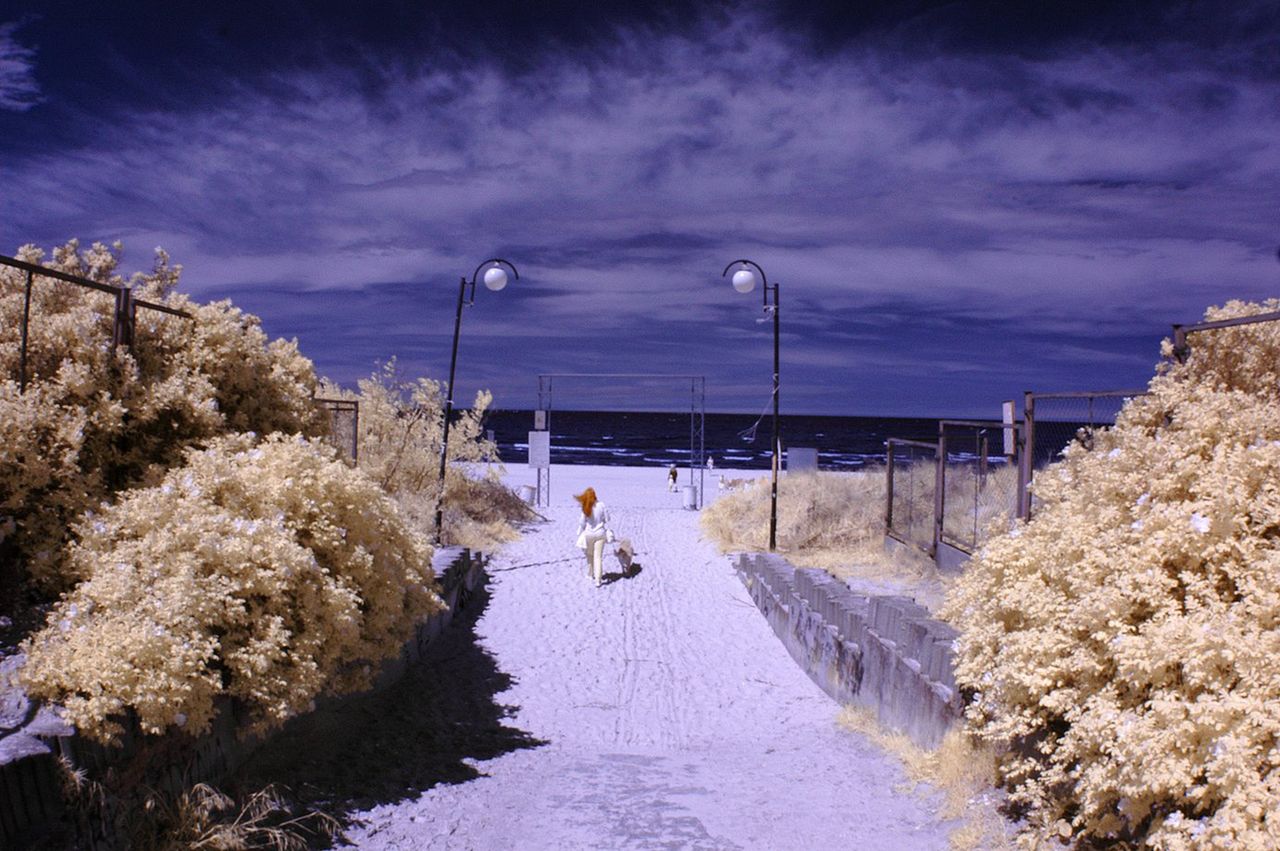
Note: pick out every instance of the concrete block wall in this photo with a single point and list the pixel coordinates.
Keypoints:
(881, 652)
(30, 794)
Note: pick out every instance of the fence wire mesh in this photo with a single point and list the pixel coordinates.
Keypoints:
(1061, 420)
(344, 425)
(1058, 420)
(912, 473)
(979, 484)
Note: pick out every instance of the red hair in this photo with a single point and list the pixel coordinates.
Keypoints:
(588, 500)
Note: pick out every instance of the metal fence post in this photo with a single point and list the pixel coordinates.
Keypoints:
(1028, 454)
(26, 318)
(122, 333)
(939, 486)
(888, 509)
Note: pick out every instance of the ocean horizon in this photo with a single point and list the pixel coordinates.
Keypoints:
(639, 438)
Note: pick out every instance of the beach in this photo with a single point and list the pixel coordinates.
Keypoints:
(657, 711)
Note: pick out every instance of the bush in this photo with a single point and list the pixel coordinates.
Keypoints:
(1122, 647)
(401, 427)
(270, 572)
(95, 421)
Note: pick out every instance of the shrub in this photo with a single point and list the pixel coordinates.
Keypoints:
(270, 571)
(94, 421)
(1123, 645)
(401, 427)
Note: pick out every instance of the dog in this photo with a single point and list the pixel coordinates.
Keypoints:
(625, 553)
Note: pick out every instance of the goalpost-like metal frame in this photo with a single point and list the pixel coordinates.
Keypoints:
(697, 418)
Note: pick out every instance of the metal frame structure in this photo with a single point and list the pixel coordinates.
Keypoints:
(697, 417)
(126, 309)
(940, 489)
(1182, 348)
(1027, 462)
(938, 539)
(890, 455)
(335, 408)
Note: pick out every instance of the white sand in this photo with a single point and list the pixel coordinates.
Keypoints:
(672, 715)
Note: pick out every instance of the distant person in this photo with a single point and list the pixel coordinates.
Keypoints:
(593, 532)
(711, 463)
(671, 478)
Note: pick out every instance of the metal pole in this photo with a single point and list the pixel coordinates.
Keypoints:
(448, 409)
(888, 489)
(355, 434)
(1028, 451)
(693, 413)
(777, 445)
(939, 491)
(22, 359)
(702, 438)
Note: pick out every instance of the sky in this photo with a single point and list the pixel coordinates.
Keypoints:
(958, 201)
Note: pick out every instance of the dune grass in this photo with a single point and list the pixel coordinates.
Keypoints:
(836, 521)
(832, 521)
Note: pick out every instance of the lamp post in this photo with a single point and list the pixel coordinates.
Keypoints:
(495, 278)
(744, 281)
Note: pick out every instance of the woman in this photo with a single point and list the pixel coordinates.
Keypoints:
(593, 532)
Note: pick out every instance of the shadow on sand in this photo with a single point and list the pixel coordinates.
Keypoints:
(392, 745)
(630, 572)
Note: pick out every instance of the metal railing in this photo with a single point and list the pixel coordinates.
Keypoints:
(1182, 343)
(124, 318)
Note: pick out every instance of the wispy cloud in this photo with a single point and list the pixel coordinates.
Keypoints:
(1115, 186)
(18, 88)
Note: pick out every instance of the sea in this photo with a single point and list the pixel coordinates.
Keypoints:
(636, 439)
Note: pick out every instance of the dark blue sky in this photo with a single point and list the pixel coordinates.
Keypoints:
(961, 201)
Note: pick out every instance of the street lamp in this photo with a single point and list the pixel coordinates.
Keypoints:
(495, 278)
(744, 281)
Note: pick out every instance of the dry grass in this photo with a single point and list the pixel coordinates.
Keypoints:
(832, 521)
(198, 817)
(962, 771)
(482, 513)
(479, 513)
(204, 818)
(835, 521)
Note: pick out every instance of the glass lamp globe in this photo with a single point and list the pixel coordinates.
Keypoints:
(744, 280)
(495, 278)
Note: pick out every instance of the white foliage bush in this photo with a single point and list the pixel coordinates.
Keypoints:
(271, 572)
(1123, 647)
(94, 421)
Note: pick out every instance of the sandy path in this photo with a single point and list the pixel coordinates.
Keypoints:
(658, 711)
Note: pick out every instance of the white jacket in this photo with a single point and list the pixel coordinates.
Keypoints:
(595, 526)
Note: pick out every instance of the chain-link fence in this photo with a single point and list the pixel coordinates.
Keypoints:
(344, 425)
(912, 485)
(1056, 420)
(978, 481)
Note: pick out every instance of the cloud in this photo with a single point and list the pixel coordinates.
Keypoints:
(19, 90)
(997, 200)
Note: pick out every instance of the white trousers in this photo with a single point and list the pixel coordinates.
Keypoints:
(595, 557)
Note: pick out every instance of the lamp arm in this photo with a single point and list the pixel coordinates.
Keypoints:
(507, 263)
